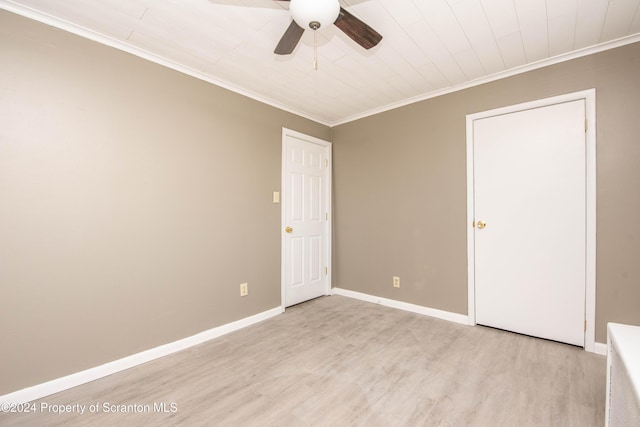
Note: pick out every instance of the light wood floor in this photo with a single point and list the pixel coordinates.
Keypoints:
(335, 361)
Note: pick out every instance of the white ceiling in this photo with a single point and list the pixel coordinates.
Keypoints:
(429, 47)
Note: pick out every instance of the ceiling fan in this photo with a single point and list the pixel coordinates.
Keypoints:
(315, 14)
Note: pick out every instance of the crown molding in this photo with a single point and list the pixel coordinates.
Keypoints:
(53, 21)
(87, 33)
(497, 76)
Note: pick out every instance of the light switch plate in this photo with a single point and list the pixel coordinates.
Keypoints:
(276, 197)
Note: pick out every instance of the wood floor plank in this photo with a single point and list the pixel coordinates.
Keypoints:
(337, 361)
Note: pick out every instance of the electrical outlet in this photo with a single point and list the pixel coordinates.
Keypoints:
(396, 282)
(244, 289)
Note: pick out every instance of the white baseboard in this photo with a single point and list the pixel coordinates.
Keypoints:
(600, 348)
(400, 305)
(64, 383)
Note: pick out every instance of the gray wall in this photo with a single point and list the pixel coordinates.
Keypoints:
(400, 188)
(133, 202)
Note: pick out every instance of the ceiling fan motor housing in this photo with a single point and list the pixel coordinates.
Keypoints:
(314, 14)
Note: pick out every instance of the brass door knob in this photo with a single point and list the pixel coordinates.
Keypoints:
(288, 230)
(481, 224)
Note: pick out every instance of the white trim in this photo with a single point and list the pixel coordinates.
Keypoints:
(64, 383)
(600, 348)
(405, 306)
(471, 243)
(329, 153)
(89, 34)
(623, 41)
(590, 113)
(117, 44)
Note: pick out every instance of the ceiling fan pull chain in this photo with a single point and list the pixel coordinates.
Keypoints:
(315, 50)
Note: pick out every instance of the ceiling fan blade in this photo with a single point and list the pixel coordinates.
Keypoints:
(289, 39)
(357, 30)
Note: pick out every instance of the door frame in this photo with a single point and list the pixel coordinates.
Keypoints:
(590, 139)
(329, 180)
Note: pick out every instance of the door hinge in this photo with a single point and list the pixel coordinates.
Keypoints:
(326, 216)
(326, 162)
(473, 224)
(586, 125)
(585, 326)
(326, 271)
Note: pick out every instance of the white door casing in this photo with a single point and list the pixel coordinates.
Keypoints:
(306, 217)
(547, 201)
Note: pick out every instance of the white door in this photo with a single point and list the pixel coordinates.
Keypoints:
(530, 221)
(306, 221)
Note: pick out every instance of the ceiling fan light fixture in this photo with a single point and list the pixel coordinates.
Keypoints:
(314, 14)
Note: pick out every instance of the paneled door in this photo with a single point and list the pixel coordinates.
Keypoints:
(306, 219)
(530, 221)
